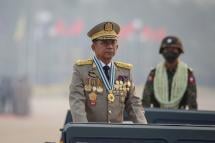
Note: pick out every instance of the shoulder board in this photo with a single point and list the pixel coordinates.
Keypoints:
(84, 62)
(124, 65)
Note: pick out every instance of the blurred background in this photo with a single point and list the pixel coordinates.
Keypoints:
(41, 39)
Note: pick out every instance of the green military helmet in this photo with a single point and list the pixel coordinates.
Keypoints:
(171, 41)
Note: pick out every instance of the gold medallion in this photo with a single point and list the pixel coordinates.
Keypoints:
(99, 89)
(111, 97)
(92, 97)
(94, 88)
(128, 83)
(93, 85)
(87, 88)
(99, 86)
(117, 82)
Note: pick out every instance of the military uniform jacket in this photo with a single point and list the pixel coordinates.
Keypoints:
(189, 97)
(84, 109)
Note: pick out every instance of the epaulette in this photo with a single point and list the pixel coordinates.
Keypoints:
(124, 65)
(84, 62)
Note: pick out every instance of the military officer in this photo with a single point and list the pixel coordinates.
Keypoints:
(172, 83)
(101, 89)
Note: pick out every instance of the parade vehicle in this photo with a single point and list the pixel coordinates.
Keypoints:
(164, 126)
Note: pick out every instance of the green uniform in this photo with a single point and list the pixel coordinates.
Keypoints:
(89, 100)
(188, 99)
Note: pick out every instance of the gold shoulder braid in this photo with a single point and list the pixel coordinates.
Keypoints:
(124, 65)
(84, 62)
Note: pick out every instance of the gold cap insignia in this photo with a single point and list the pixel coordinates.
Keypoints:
(108, 26)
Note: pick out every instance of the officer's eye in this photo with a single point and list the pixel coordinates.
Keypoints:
(109, 42)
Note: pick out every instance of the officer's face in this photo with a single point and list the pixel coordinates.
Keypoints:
(105, 49)
(171, 54)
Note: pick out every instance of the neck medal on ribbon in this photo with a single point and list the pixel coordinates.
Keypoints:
(109, 85)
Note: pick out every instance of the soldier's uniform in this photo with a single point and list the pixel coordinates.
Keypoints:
(188, 98)
(90, 101)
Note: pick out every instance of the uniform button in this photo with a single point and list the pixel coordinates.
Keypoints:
(109, 111)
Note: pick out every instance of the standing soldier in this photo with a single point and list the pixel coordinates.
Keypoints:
(172, 83)
(101, 89)
(22, 94)
(6, 95)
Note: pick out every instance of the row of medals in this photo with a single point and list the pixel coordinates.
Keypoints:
(95, 86)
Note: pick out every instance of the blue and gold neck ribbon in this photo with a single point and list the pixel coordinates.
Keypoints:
(108, 85)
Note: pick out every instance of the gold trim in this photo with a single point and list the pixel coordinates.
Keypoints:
(124, 65)
(84, 62)
(110, 34)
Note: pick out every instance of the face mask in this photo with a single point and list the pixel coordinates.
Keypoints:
(170, 57)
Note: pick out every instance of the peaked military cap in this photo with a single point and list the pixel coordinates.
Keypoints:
(171, 41)
(104, 30)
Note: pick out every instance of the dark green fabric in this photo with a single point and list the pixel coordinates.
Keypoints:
(189, 98)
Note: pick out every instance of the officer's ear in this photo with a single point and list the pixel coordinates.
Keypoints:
(117, 46)
(93, 46)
